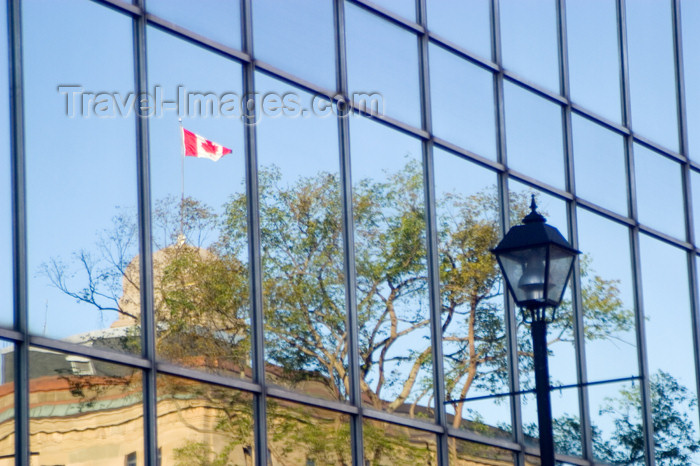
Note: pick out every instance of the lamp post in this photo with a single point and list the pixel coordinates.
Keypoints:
(536, 261)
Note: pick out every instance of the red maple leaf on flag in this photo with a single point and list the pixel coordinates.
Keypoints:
(209, 147)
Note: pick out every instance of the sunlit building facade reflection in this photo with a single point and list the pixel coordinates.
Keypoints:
(325, 293)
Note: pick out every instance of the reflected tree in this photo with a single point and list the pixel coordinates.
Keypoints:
(201, 295)
(675, 438)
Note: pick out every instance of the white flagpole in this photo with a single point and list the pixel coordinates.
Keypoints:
(182, 181)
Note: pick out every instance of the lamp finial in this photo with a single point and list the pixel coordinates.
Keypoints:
(534, 216)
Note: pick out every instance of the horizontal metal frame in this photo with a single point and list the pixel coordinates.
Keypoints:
(91, 352)
(197, 39)
(389, 15)
(301, 398)
(414, 423)
(167, 368)
(121, 6)
(463, 53)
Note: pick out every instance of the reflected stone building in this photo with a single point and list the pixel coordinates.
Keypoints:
(325, 293)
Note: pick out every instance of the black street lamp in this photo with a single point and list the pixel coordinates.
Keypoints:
(536, 262)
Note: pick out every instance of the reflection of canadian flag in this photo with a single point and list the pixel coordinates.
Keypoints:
(196, 146)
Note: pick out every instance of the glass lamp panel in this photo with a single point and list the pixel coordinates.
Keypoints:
(525, 269)
(560, 262)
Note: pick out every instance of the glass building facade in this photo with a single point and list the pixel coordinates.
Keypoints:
(325, 293)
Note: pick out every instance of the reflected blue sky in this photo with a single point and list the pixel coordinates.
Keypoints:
(592, 38)
(651, 69)
(463, 115)
(690, 18)
(599, 164)
(529, 40)
(534, 142)
(69, 198)
(659, 192)
(383, 58)
(217, 20)
(467, 23)
(297, 36)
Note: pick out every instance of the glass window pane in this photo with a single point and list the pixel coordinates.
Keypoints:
(7, 402)
(405, 8)
(465, 452)
(471, 295)
(652, 71)
(690, 18)
(616, 418)
(594, 59)
(84, 411)
(213, 19)
(199, 422)
(671, 366)
(387, 444)
(607, 295)
(383, 59)
(566, 422)
(198, 208)
(5, 194)
(464, 115)
(467, 23)
(302, 250)
(553, 209)
(303, 435)
(81, 171)
(392, 298)
(534, 135)
(599, 163)
(659, 192)
(695, 189)
(297, 36)
(529, 40)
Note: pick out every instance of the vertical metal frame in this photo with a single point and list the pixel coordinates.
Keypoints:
(254, 249)
(352, 321)
(19, 232)
(432, 238)
(148, 342)
(687, 187)
(647, 421)
(504, 201)
(578, 324)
